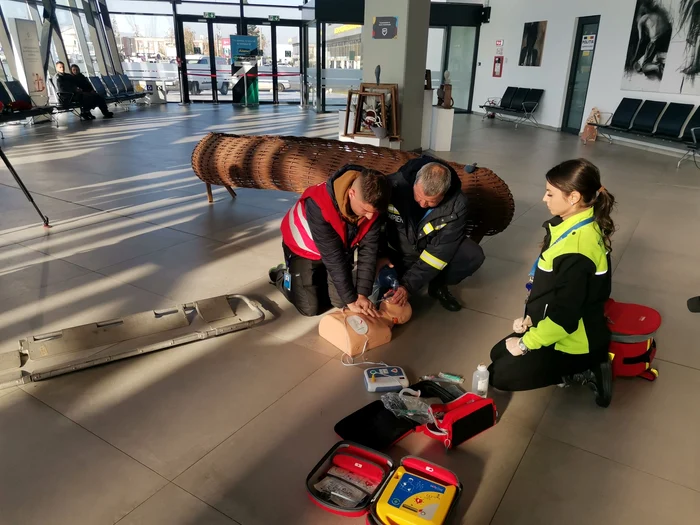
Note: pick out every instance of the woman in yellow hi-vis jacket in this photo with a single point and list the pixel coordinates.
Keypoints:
(563, 334)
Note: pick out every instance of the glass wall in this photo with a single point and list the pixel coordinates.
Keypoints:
(461, 64)
(342, 69)
(435, 60)
(311, 65)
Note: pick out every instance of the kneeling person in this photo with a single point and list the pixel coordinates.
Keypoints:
(426, 231)
(319, 237)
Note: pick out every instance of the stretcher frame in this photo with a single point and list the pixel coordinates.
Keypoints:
(94, 344)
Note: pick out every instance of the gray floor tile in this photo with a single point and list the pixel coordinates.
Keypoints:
(23, 269)
(557, 483)
(649, 426)
(168, 409)
(60, 473)
(173, 506)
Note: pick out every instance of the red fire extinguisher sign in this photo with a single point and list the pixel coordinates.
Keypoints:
(497, 66)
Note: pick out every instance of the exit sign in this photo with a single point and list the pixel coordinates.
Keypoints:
(209, 15)
(274, 18)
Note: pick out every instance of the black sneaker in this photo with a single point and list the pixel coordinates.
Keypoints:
(447, 300)
(603, 383)
(274, 273)
(598, 379)
(107, 115)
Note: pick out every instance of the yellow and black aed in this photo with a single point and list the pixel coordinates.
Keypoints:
(409, 499)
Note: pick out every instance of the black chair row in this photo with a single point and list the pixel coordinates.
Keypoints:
(520, 103)
(655, 121)
(116, 89)
(13, 92)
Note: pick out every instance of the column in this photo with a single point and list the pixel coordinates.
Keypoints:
(402, 58)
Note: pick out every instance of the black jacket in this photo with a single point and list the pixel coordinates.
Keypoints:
(429, 244)
(337, 257)
(83, 83)
(66, 83)
(571, 285)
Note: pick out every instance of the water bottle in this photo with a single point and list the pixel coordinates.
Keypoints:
(388, 278)
(480, 381)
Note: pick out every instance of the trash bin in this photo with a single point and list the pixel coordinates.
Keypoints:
(154, 90)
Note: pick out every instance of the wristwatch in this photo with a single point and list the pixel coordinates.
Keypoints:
(522, 346)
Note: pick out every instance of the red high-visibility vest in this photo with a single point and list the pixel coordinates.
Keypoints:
(296, 232)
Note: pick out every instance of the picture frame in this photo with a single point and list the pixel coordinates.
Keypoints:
(391, 100)
(362, 115)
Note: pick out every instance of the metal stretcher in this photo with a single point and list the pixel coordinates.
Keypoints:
(68, 350)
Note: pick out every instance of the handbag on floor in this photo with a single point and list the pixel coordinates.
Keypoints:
(633, 347)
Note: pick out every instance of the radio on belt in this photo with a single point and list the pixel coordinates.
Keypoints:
(385, 379)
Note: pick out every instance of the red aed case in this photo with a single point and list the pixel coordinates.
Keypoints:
(366, 464)
(632, 347)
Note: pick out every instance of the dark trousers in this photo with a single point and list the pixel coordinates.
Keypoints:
(91, 100)
(536, 369)
(466, 261)
(312, 292)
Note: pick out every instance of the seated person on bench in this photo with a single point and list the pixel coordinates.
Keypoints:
(69, 91)
(425, 232)
(319, 237)
(564, 336)
(81, 80)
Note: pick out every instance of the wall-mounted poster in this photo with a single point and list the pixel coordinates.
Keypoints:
(663, 52)
(533, 43)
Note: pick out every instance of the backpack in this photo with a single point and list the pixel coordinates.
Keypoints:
(632, 347)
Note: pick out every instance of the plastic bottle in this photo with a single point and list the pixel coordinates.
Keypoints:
(480, 381)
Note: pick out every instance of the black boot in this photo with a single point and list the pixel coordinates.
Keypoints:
(275, 272)
(442, 294)
(603, 383)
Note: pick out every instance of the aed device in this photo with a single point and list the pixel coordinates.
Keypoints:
(385, 379)
(415, 492)
(409, 498)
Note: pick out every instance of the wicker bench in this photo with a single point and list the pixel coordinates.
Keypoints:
(295, 163)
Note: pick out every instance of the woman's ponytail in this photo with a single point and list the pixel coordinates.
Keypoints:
(584, 177)
(602, 210)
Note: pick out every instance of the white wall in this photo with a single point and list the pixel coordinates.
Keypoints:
(604, 92)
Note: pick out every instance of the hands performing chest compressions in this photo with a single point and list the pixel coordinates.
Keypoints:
(422, 240)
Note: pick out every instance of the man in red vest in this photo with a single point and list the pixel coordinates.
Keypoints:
(319, 237)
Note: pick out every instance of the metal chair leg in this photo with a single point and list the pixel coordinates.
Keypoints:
(687, 154)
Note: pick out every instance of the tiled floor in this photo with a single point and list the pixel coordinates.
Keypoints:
(225, 431)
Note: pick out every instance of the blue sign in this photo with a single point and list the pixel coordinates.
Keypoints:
(244, 46)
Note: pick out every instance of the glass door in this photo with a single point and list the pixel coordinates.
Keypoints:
(199, 60)
(209, 57)
(461, 52)
(581, 64)
(312, 85)
(223, 29)
(288, 63)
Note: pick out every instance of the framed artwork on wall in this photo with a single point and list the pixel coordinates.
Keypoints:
(532, 45)
(663, 51)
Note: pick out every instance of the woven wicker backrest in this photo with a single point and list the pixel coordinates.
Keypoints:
(295, 163)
